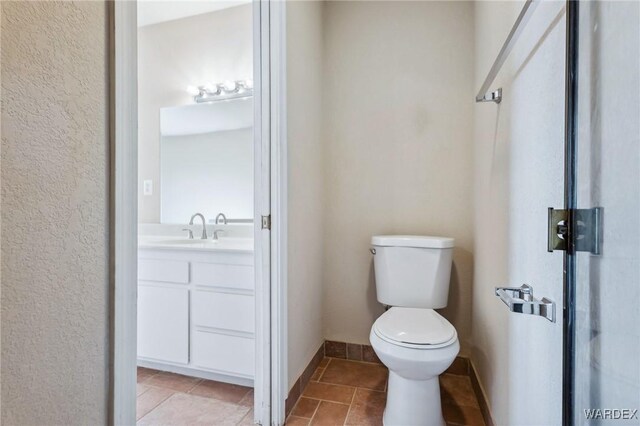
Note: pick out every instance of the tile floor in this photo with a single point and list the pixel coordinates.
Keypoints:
(343, 392)
(176, 400)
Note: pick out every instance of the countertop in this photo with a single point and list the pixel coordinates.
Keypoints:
(236, 245)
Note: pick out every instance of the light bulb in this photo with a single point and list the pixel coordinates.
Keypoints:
(210, 87)
(193, 90)
(230, 86)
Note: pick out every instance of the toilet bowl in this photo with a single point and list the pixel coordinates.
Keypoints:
(416, 345)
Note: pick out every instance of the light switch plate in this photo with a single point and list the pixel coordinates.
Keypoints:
(147, 187)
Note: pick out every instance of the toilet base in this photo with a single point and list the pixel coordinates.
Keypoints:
(413, 402)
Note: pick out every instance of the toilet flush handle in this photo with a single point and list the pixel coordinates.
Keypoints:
(373, 251)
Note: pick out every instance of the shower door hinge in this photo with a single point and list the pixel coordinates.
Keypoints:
(580, 228)
(266, 222)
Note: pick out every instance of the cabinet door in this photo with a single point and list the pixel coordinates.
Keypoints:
(163, 323)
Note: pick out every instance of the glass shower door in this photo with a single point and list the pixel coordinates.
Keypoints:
(606, 332)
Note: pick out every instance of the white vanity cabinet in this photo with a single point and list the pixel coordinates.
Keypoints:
(163, 323)
(196, 312)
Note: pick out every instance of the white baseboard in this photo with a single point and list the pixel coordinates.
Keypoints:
(193, 372)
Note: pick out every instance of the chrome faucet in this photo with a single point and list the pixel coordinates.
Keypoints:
(216, 232)
(221, 216)
(204, 225)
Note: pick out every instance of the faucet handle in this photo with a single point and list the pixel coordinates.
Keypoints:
(190, 232)
(217, 232)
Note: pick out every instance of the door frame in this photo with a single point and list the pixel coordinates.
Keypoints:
(271, 15)
(270, 177)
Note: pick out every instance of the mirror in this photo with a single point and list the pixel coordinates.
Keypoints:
(206, 160)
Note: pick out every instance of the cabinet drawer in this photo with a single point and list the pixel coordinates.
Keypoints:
(223, 310)
(223, 275)
(173, 271)
(223, 353)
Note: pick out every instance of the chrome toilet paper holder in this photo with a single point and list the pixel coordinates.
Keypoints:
(521, 301)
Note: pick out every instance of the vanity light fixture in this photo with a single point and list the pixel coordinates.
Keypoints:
(211, 92)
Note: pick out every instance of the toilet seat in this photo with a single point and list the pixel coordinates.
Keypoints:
(415, 328)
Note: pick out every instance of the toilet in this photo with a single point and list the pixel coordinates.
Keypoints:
(415, 342)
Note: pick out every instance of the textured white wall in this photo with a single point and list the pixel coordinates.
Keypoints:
(212, 47)
(518, 175)
(398, 110)
(54, 213)
(306, 193)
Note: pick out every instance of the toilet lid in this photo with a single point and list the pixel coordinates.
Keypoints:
(415, 326)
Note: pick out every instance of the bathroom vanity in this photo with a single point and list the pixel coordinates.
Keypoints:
(196, 303)
(196, 309)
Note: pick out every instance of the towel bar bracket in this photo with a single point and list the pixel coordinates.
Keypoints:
(495, 96)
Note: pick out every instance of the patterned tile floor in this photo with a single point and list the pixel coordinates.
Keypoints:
(340, 392)
(176, 400)
(343, 392)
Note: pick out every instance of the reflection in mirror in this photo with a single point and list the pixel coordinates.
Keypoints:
(206, 160)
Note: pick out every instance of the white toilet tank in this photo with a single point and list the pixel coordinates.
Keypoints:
(412, 271)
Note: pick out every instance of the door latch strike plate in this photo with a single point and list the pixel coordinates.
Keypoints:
(266, 222)
(576, 229)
